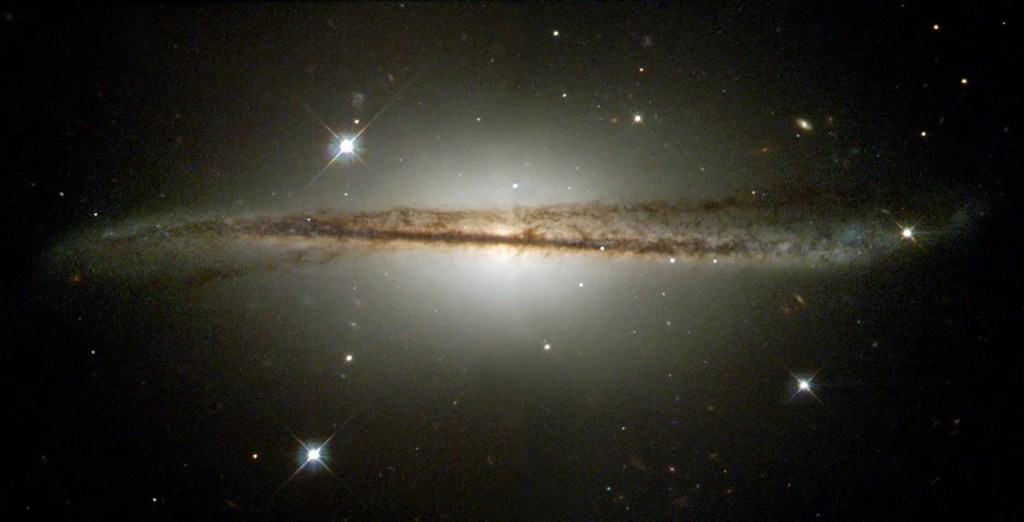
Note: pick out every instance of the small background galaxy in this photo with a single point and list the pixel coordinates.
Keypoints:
(709, 260)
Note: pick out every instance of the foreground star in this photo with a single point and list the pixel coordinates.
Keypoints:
(803, 386)
(314, 457)
(346, 145)
(907, 232)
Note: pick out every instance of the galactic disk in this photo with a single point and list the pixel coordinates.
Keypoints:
(721, 231)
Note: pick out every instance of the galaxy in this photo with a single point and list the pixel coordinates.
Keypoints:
(499, 261)
(710, 232)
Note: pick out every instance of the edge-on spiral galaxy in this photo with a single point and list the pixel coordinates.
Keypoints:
(726, 231)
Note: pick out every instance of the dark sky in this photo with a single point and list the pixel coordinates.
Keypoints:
(512, 385)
